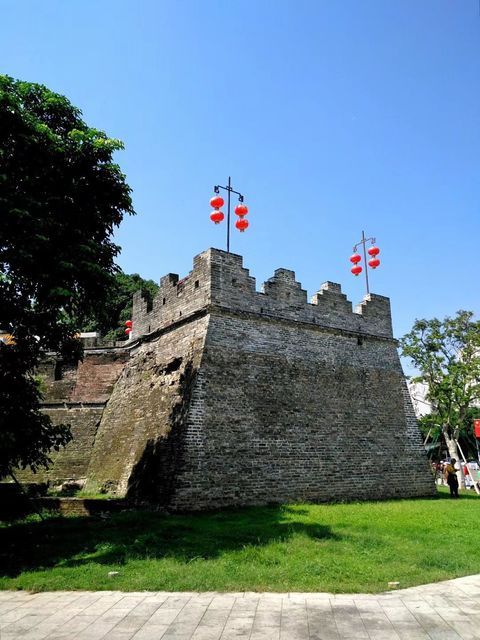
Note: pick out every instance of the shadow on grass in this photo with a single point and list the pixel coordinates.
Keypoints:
(443, 493)
(140, 535)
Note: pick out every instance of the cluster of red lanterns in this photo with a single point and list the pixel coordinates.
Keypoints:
(373, 263)
(128, 327)
(217, 216)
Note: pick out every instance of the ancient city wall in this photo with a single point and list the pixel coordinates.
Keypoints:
(271, 398)
(227, 395)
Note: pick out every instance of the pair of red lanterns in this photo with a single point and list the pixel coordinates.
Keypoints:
(217, 216)
(373, 263)
(128, 327)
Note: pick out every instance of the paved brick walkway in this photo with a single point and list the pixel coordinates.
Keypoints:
(444, 611)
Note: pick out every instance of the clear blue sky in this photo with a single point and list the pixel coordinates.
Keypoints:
(330, 116)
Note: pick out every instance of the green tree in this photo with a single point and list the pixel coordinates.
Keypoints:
(117, 308)
(61, 197)
(447, 356)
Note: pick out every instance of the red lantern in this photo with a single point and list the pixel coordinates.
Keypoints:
(355, 258)
(476, 427)
(373, 263)
(217, 216)
(373, 251)
(128, 331)
(216, 202)
(241, 210)
(356, 270)
(241, 224)
(128, 323)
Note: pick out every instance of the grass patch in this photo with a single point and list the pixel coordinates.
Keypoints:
(345, 548)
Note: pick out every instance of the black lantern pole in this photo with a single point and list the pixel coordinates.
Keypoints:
(229, 190)
(356, 258)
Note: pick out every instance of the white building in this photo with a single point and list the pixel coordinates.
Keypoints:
(418, 393)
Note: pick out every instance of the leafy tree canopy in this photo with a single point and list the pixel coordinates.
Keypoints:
(61, 197)
(447, 355)
(117, 308)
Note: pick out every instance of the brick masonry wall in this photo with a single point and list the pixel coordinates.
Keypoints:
(76, 395)
(97, 375)
(89, 381)
(285, 413)
(70, 463)
(140, 437)
(15, 504)
(273, 411)
(175, 299)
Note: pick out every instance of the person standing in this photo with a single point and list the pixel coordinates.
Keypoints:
(451, 478)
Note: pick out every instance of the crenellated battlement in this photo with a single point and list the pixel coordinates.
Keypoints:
(219, 279)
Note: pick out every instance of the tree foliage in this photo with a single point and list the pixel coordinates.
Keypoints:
(117, 308)
(61, 197)
(447, 355)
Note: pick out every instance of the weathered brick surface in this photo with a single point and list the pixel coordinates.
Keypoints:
(70, 463)
(58, 380)
(90, 381)
(76, 396)
(138, 444)
(16, 503)
(97, 374)
(232, 396)
(283, 413)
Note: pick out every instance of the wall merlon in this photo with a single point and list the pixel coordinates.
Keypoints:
(139, 304)
(331, 286)
(330, 294)
(170, 279)
(333, 309)
(284, 289)
(232, 285)
(376, 313)
(284, 275)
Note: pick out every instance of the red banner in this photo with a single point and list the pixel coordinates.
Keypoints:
(476, 428)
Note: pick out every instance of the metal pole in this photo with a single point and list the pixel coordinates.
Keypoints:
(229, 189)
(365, 259)
(228, 214)
(475, 483)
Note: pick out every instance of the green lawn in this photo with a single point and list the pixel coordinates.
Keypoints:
(356, 547)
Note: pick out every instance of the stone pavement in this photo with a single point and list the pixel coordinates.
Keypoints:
(443, 611)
